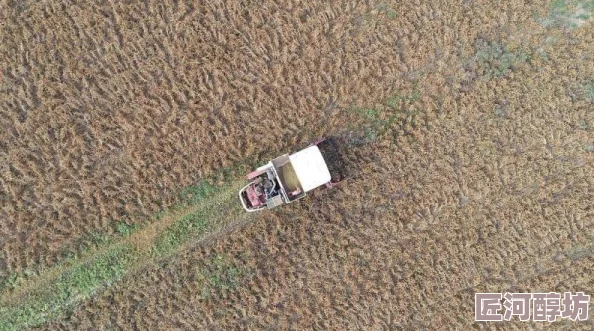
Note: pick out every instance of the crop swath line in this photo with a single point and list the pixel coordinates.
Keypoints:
(54, 292)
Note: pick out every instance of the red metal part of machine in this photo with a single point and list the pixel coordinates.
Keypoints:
(256, 200)
(255, 174)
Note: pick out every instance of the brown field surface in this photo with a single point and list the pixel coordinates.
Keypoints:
(466, 130)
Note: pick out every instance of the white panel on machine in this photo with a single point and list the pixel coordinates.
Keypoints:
(310, 167)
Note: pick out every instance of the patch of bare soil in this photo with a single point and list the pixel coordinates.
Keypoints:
(333, 148)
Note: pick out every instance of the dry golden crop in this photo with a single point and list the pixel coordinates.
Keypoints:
(467, 130)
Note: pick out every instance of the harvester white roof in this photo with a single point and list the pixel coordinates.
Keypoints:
(310, 168)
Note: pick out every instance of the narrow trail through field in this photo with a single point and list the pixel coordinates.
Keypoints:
(51, 293)
(209, 212)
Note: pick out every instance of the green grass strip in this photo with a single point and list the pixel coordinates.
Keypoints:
(71, 287)
(57, 291)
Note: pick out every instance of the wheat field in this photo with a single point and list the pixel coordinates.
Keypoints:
(467, 130)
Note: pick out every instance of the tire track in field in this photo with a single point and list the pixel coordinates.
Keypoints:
(220, 212)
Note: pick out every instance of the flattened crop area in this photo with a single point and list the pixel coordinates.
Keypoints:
(466, 128)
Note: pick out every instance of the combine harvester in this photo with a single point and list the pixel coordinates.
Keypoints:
(288, 178)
